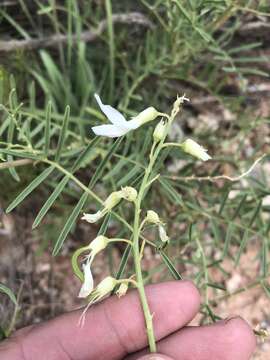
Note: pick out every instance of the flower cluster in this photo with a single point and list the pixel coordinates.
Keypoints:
(120, 126)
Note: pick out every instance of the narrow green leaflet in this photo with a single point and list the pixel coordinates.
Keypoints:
(216, 286)
(85, 153)
(46, 207)
(4, 289)
(98, 173)
(104, 225)
(245, 237)
(48, 128)
(34, 184)
(20, 154)
(63, 132)
(170, 266)
(123, 263)
(70, 222)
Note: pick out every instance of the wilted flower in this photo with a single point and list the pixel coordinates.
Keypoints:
(88, 283)
(152, 217)
(122, 290)
(180, 100)
(160, 130)
(162, 234)
(192, 148)
(129, 193)
(120, 126)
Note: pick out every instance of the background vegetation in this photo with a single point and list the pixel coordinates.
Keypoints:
(54, 56)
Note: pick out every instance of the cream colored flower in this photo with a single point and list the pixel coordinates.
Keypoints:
(103, 288)
(192, 148)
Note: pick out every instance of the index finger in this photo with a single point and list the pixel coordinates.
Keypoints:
(112, 328)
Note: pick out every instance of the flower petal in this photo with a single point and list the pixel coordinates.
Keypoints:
(92, 218)
(112, 114)
(111, 131)
(88, 284)
(133, 124)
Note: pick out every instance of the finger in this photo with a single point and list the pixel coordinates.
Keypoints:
(226, 340)
(155, 357)
(115, 324)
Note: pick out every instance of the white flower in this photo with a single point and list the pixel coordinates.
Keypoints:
(88, 283)
(192, 148)
(162, 234)
(120, 126)
(92, 218)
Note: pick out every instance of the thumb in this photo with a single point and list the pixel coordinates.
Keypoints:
(155, 357)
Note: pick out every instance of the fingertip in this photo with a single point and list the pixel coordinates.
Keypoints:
(155, 357)
(188, 287)
(239, 334)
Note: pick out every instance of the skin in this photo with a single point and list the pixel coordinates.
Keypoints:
(114, 329)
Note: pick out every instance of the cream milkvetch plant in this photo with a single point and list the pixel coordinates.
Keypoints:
(82, 265)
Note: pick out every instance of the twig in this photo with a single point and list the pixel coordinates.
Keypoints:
(86, 36)
(219, 177)
(15, 163)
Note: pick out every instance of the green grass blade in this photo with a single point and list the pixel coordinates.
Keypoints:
(34, 184)
(4, 289)
(46, 207)
(69, 223)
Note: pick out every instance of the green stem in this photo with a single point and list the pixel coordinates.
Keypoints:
(136, 248)
(137, 254)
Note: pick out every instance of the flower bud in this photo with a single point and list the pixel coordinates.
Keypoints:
(160, 131)
(162, 234)
(152, 217)
(122, 290)
(129, 193)
(147, 115)
(196, 150)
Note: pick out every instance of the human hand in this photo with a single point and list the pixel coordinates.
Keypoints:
(115, 329)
